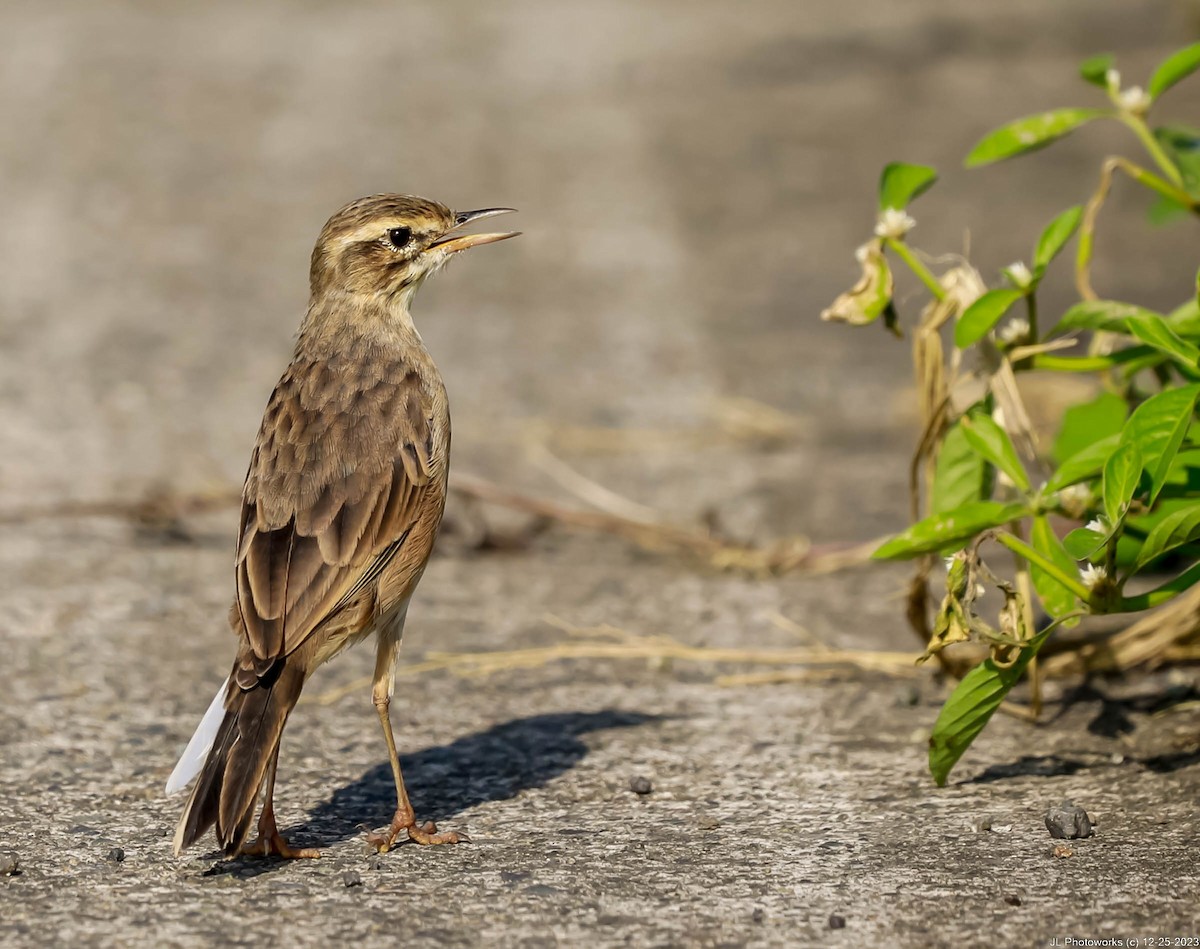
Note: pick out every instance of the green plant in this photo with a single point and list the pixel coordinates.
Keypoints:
(1124, 470)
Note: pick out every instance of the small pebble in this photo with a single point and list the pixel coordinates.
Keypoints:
(640, 785)
(376, 862)
(837, 922)
(759, 914)
(908, 695)
(1068, 821)
(1062, 851)
(116, 855)
(1012, 899)
(709, 823)
(10, 866)
(350, 878)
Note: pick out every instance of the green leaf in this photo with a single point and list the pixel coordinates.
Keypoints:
(1176, 529)
(971, 705)
(1157, 428)
(1055, 237)
(1177, 66)
(961, 475)
(1182, 144)
(1163, 211)
(1095, 69)
(1088, 422)
(1056, 599)
(1081, 543)
(983, 314)
(901, 183)
(1154, 331)
(1028, 133)
(1085, 463)
(1107, 315)
(991, 441)
(953, 527)
(1122, 472)
(1113, 316)
(1185, 319)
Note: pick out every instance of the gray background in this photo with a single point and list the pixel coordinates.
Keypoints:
(693, 178)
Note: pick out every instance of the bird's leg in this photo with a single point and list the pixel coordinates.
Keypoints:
(269, 843)
(404, 819)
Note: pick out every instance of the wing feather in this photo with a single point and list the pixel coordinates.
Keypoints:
(343, 467)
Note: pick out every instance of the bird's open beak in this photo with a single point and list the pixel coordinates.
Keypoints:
(452, 245)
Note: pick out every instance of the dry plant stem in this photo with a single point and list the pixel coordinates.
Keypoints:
(587, 490)
(1017, 423)
(155, 508)
(1167, 634)
(612, 643)
(1087, 230)
(934, 392)
(736, 419)
(1029, 714)
(781, 557)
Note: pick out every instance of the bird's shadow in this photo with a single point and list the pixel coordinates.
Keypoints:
(445, 780)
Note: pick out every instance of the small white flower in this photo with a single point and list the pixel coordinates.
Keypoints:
(1135, 100)
(1097, 525)
(1112, 79)
(949, 561)
(998, 416)
(1015, 329)
(1019, 274)
(1092, 575)
(894, 224)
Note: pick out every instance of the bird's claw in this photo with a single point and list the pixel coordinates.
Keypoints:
(425, 834)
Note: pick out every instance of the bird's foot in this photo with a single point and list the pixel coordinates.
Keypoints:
(273, 845)
(425, 834)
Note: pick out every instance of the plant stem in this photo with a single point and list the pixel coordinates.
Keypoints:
(1074, 584)
(1031, 308)
(1160, 595)
(1083, 255)
(1073, 363)
(1142, 131)
(902, 251)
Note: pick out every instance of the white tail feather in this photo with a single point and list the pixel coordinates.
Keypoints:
(197, 749)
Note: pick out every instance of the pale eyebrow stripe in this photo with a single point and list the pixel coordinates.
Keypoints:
(377, 228)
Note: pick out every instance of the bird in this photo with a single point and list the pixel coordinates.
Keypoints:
(339, 511)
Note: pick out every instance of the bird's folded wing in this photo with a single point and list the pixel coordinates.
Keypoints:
(337, 479)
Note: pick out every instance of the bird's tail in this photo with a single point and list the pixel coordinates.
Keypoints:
(246, 738)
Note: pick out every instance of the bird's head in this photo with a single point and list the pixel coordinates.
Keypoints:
(387, 244)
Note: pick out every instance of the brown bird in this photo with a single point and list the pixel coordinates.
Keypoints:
(340, 508)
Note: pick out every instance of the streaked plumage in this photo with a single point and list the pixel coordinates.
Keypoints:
(341, 504)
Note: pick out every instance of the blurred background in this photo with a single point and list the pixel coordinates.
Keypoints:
(692, 178)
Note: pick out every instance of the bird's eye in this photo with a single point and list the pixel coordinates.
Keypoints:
(399, 237)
